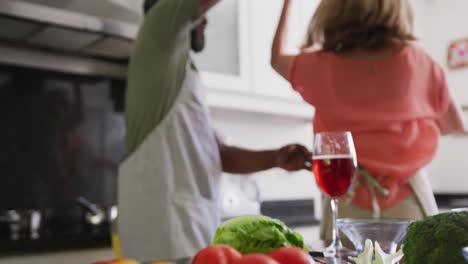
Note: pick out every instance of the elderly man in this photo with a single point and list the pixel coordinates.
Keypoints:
(169, 183)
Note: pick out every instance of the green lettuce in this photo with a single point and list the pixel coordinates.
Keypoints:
(257, 234)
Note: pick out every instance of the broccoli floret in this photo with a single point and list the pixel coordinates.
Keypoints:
(437, 239)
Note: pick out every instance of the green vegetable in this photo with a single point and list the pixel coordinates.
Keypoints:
(437, 239)
(257, 234)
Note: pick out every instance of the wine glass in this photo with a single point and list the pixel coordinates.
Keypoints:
(334, 165)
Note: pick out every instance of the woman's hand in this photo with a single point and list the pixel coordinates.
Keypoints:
(293, 158)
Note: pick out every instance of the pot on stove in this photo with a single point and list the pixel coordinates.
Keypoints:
(96, 215)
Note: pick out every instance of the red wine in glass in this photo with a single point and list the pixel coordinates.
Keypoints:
(334, 163)
(334, 173)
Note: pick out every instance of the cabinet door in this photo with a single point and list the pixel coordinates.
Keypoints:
(134, 5)
(224, 63)
(264, 19)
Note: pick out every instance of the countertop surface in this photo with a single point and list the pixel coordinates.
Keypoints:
(65, 257)
(56, 243)
(89, 256)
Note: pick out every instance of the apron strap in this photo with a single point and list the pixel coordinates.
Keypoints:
(374, 188)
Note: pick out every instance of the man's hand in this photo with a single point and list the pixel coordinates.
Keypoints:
(244, 161)
(207, 4)
(294, 157)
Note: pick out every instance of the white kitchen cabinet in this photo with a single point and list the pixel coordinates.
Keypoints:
(235, 65)
(224, 62)
(264, 19)
(135, 5)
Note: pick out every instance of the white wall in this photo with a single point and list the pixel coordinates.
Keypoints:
(449, 170)
(445, 21)
(419, 9)
(440, 22)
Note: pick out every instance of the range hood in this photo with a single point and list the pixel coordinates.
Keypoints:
(86, 37)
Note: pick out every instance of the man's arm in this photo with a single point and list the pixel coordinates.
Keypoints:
(280, 59)
(167, 20)
(243, 161)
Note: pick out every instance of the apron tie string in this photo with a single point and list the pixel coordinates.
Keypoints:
(374, 188)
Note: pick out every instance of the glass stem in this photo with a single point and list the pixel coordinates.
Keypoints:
(336, 237)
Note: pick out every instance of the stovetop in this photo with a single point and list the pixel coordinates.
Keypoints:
(92, 237)
(28, 232)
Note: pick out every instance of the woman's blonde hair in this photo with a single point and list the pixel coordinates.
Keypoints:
(343, 25)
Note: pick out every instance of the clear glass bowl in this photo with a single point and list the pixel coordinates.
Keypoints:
(388, 232)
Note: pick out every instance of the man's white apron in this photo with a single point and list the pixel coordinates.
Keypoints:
(168, 188)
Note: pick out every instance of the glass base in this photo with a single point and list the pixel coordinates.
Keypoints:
(330, 260)
(341, 256)
(339, 252)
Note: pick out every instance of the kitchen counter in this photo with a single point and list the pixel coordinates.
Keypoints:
(73, 250)
(88, 256)
(294, 213)
(311, 235)
(65, 257)
(56, 243)
(447, 201)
